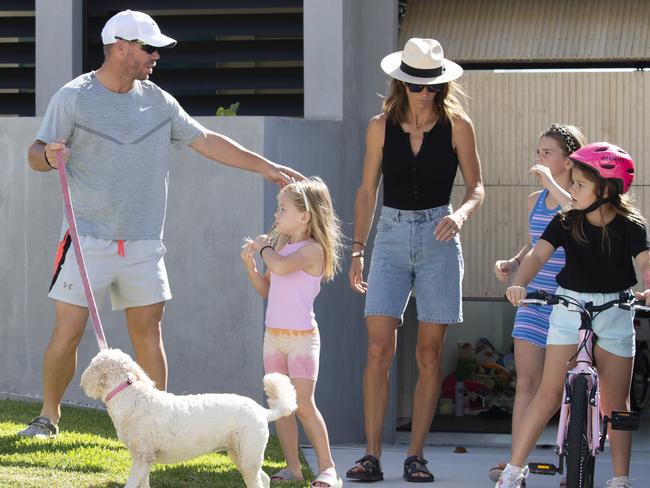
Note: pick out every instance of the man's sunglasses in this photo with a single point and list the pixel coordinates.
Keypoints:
(413, 88)
(149, 49)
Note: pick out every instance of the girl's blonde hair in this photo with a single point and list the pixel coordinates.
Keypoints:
(620, 203)
(311, 195)
(446, 102)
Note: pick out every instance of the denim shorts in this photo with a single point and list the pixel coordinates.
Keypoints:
(614, 327)
(407, 257)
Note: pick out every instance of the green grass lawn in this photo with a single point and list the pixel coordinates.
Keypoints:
(87, 453)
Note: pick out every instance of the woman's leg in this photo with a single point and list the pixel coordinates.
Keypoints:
(529, 364)
(428, 355)
(382, 343)
(544, 404)
(314, 425)
(615, 375)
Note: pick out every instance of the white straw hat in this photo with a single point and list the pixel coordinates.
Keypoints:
(132, 25)
(422, 62)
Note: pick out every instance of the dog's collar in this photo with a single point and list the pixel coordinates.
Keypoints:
(119, 388)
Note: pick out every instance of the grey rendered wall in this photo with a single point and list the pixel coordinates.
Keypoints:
(344, 43)
(212, 326)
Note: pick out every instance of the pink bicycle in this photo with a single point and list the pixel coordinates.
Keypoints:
(579, 437)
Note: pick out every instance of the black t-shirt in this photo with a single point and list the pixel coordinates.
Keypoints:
(591, 269)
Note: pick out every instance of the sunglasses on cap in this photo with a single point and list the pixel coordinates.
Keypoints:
(414, 88)
(149, 49)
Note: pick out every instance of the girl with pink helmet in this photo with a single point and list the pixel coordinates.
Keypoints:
(601, 233)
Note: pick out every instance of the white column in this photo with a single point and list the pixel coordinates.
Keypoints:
(58, 47)
(323, 59)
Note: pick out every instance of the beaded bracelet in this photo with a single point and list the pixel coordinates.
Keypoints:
(357, 254)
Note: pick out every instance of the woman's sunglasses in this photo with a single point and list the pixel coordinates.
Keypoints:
(413, 88)
(149, 49)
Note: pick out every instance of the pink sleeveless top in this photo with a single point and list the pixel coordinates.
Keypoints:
(291, 297)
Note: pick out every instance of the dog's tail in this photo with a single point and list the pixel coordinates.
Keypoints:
(281, 396)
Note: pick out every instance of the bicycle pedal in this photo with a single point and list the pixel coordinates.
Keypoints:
(622, 420)
(543, 468)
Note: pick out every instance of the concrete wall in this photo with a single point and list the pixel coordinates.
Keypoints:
(213, 325)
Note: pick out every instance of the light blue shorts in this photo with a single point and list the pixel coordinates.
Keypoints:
(614, 328)
(407, 257)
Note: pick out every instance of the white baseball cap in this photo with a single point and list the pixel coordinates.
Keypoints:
(132, 25)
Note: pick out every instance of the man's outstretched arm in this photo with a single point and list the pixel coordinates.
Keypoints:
(226, 151)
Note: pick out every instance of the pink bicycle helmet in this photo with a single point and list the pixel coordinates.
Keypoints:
(609, 161)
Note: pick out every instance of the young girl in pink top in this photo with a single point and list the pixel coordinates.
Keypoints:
(302, 251)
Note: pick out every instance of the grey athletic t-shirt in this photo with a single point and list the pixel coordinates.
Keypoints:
(120, 145)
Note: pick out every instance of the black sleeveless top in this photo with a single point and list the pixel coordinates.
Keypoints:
(425, 180)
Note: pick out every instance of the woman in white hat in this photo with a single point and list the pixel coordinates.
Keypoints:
(417, 144)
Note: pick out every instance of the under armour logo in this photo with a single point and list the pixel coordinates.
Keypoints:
(67, 285)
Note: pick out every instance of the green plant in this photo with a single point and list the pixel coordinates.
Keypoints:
(228, 111)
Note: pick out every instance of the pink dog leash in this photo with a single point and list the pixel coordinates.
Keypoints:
(69, 213)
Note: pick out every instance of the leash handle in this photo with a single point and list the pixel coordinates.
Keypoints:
(72, 223)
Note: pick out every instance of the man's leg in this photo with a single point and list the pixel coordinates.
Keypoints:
(145, 330)
(60, 359)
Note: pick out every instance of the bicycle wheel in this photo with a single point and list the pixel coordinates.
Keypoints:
(580, 462)
(640, 390)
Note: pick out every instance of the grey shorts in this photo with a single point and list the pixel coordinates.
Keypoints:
(133, 272)
(407, 257)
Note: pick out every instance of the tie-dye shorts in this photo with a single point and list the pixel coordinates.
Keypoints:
(293, 353)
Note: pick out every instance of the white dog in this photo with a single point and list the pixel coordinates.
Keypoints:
(158, 427)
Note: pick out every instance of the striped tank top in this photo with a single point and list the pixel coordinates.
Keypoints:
(531, 323)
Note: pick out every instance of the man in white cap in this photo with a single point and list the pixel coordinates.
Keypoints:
(114, 127)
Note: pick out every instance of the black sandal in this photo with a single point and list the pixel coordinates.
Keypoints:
(371, 470)
(414, 465)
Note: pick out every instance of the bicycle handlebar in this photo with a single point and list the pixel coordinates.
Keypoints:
(625, 301)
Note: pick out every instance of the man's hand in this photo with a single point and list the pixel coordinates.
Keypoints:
(51, 150)
(281, 175)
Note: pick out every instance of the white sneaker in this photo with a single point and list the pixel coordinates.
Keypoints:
(619, 482)
(512, 477)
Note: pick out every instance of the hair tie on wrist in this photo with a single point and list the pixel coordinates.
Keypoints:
(517, 259)
(264, 247)
(360, 243)
(357, 254)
